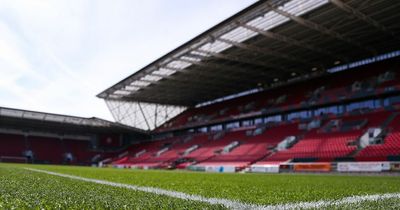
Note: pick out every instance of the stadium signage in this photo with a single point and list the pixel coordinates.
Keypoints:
(221, 169)
(395, 167)
(265, 168)
(363, 167)
(312, 167)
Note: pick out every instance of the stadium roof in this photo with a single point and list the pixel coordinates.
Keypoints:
(269, 42)
(266, 42)
(64, 120)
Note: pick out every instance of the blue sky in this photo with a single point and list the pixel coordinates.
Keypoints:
(56, 55)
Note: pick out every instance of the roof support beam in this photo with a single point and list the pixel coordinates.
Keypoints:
(228, 69)
(215, 83)
(148, 80)
(174, 95)
(220, 78)
(293, 42)
(243, 60)
(201, 72)
(224, 67)
(205, 73)
(321, 29)
(144, 116)
(138, 86)
(175, 92)
(265, 51)
(208, 80)
(356, 13)
(163, 76)
(204, 83)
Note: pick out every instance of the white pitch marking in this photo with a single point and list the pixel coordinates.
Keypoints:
(344, 201)
(232, 204)
(215, 201)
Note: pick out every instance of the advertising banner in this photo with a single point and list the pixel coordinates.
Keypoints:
(196, 168)
(312, 167)
(363, 166)
(119, 166)
(227, 169)
(265, 168)
(395, 167)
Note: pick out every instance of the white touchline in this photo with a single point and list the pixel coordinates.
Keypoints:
(231, 204)
(215, 201)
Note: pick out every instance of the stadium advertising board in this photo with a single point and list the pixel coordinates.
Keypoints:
(395, 167)
(312, 167)
(196, 168)
(119, 166)
(227, 169)
(363, 167)
(265, 168)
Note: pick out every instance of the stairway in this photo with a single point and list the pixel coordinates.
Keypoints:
(389, 120)
(384, 125)
(263, 157)
(355, 152)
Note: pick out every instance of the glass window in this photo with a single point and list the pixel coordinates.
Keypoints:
(258, 121)
(394, 100)
(276, 118)
(202, 130)
(299, 115)
(377, 104)
(247, 122)
(360, 105)
(216, 128)
(232, 125)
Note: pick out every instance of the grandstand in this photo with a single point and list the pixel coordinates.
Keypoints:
(35, 137)
(278, 84)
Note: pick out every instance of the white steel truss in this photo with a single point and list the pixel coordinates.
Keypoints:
(146, 116)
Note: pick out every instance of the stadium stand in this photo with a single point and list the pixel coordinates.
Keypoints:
(324, 147)
(40, 148)
(12, 145)
(303, 95)
(239, 144)
(389, 146)
(36, 137)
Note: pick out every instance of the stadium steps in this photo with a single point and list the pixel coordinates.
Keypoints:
(358, 150)
(263, 157)
(384, 125)
(389, 120)
(257, 160)
(355, 152)
(298, 138)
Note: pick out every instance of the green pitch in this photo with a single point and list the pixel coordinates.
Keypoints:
(25, 189)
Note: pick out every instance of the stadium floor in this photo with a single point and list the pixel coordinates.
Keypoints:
(61, 187)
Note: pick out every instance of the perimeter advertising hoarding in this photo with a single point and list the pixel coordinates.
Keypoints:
(221, 169)
(363, 166)
(312, 167)
(265, 168)
(395, 167)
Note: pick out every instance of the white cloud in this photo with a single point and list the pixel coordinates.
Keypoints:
(55, 56)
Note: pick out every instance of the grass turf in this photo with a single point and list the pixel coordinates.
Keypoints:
(26, 189)
(22, 189)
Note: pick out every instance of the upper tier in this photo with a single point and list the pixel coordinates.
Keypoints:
(375, 79)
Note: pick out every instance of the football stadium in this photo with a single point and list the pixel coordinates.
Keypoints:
(287, 104)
